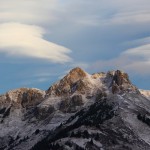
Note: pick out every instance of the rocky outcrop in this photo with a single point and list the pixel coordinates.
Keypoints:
(98, 75)
(42, 113)
(119, 82)
(121, 78)
(70, 105)
(115, 88)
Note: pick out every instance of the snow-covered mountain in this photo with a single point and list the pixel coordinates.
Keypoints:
(102, 111)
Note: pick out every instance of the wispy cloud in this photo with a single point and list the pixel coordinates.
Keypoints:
(135, 60)
(27, 41)
(28, 11)
(124, 18)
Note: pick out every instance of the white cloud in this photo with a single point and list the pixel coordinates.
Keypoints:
(21, 31)
(27, 41)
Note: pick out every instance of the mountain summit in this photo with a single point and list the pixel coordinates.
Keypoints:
(102, 111)
(65, 85)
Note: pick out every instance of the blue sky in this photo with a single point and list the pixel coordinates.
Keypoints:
(40, 40)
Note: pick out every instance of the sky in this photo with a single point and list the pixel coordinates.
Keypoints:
(41, 40)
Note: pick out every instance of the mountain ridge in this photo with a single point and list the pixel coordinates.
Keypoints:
(32, 119)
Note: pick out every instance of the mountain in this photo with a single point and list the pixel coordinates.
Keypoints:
(102, 111)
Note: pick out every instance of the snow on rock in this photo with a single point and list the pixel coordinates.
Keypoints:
(23, 96)
(146, 93)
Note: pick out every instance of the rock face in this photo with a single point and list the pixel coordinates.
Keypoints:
(24, 97)
(71, 104)
(70, 91)
(67, 84)
(102, 111)
(120, 82)
(120, 78)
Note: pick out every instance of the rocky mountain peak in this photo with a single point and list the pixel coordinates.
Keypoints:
(120, 82)
(65, 85)
(120, 78)
(23, 97)
(77, 73)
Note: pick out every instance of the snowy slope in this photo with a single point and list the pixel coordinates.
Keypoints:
(110, 123)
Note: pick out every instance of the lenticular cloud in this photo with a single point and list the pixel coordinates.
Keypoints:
(27, 41)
